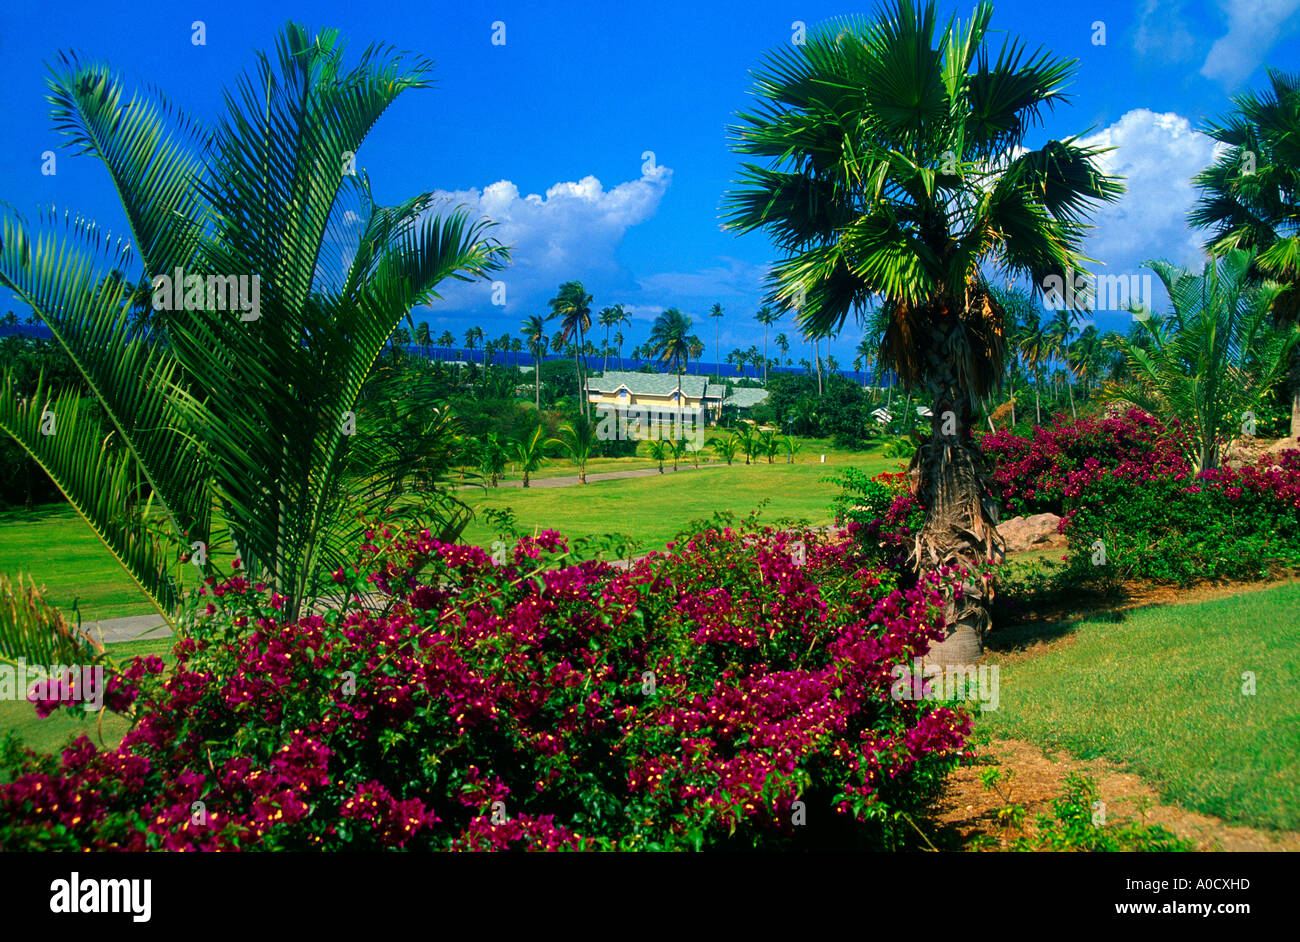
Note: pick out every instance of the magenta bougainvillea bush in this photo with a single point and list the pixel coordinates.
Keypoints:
(731, 692)
(1039, 474)
(1132, 507)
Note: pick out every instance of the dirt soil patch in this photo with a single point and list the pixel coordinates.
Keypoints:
(966, 810)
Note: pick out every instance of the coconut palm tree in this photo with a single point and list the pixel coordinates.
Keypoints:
(670, 342)
(1035, 347)
(619, 340)
(766, 316)
(572, 305)
(472, 337)
(1214, 358)
(1060, 334)
(783, 344)
(247, 409)
(534, 330)
(896, 166)
(659, 451)
(696, 350)
(578, 440)
(516, 347)
(1020, 316)
(864, 353)
(423, 338)
(1250, 197)
(529, 453)
(726, 447)
(1086, 357)
(446, 340)
(715, 312)
(611, 317)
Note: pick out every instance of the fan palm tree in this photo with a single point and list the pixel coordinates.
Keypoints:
(1214, 358)
(572, 305)
(896, 166)
(670, 342)
(534, 330)
(767, 317)
(245, 414)
(1250, 197)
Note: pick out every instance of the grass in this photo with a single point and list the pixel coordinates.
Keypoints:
(1159, 691)
(653, 509)
(60, 551)
(61, 727)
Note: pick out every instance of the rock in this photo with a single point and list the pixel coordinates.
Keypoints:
(1034, 532)
(1250, 451)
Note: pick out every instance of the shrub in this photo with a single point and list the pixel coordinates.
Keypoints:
(1122, 481)
(879, 512)
(1038, 475)
(1222, 524)
(685, 702)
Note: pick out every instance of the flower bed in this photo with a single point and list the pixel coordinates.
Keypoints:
(720, 694)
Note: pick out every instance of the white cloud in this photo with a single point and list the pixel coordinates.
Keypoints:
(1253, 28)
(1162, 33)
(732, 279)
(574, 231)
(1158, 154)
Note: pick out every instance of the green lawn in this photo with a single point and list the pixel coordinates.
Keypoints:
(1160, 692)
(652, 509)
(60, 551)
(60, 727)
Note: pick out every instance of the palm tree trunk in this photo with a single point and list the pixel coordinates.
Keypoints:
(1073, 412)
(537, 383)
(1295, 391)
(950, 478)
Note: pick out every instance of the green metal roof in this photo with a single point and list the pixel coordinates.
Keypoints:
(745, 397)
(648, 384)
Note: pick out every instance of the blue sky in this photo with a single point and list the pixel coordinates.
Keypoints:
(547, 132)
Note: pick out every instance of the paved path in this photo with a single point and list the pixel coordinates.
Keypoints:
(130, 628)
